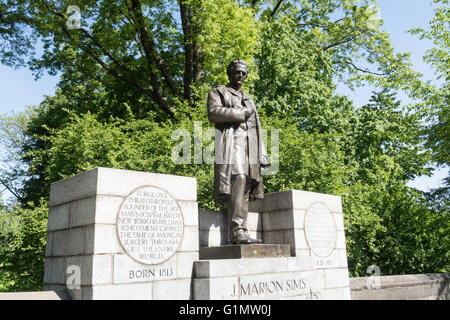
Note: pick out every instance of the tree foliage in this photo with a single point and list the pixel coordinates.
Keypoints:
(23, 237)
(437, 100)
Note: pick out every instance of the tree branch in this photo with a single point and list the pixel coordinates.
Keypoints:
(332, 45)
(277, 6)
(134, 34)
(349, 62)
(134, 81)
(317, 25)
(150, 50)
(11, 189)
(188, 51)
(154, 95)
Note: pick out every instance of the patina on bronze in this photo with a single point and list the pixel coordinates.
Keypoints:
(239, 150)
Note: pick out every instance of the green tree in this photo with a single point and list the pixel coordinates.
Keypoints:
(13, 138)
(23, 237)
(437, 98)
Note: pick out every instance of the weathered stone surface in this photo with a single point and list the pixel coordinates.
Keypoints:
(135, 291)
(49, 244)
(55, 270)
(281, 237)
(76, 187)
(209, 219)
(268, 265)
(93, 269)
(301, 263)
(84, 247)
(220, 268)
(185, 264)
(75, 241)
(121, 182)
(337, 259)
(402, 287)
(216, 220)
(190, 239)
(116, 182)
(179, 289)
(213, 229)
(279, 285)
(271, 285)
(215, 288)
(241, 267)
(106, 239)
(106, 208)
(60, 245)
(335, 294)
(335, 278)
(82, 212)
(284, 267)
(245, 251)
(296, 199)
(212, 238)
(272, 202)
(320, 229)
(58, 217)
(282, 219)
(36, 295)
(215, 238)
(318, 272)
(190, 212)
(304, 200)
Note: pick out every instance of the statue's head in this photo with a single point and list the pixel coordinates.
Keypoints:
(237, 72)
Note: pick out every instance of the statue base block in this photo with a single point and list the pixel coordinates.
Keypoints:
(121, 234)
(310, 224)
(245, 251)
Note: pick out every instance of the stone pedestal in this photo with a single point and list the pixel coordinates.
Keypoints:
(213, 229)
(287, 278)
(310, 223)
(245, 251)
(119, 234)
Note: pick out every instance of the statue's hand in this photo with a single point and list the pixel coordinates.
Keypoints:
(264, 162)
(248, 112)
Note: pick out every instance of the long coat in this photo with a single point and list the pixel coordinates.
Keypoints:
(225, 108)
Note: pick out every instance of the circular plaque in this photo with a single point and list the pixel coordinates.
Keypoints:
(150, 225)
(320, 229)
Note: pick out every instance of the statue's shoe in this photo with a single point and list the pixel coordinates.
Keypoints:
(240, 237)
(252, 240)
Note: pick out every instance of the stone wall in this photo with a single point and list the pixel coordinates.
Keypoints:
(88, 243)
(213, 227)
(310, 223)
(402, 287)
(120, 234)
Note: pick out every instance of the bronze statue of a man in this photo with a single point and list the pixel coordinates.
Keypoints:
(239, 150)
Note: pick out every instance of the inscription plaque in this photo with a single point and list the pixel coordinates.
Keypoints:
(320, 229)
(127, 270)
(150, 225)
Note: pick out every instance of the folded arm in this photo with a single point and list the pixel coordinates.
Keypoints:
(217, 113)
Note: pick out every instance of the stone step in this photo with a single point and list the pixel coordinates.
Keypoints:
(35, 295)
(239, 251)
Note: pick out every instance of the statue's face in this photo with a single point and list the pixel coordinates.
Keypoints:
(237, 75)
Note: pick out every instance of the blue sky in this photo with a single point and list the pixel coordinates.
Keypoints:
(19, 89)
